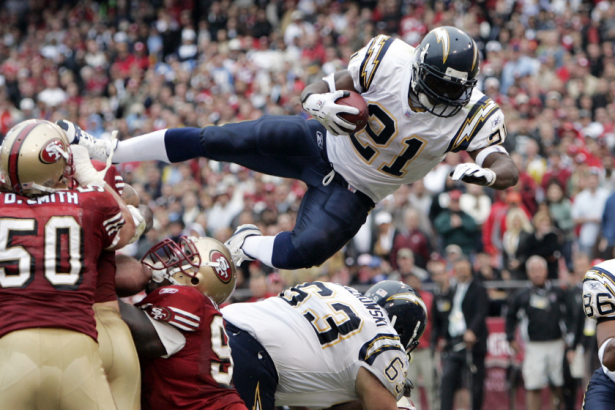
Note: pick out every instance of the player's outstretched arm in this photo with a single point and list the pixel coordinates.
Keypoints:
(372, 393)
(604, 332)
(143, 332)
(493, 168)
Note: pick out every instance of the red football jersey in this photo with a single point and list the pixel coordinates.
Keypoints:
(49, 247)
(199, 376)
(105, 284)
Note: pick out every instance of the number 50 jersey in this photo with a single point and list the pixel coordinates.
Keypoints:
(401, 145)
(319, 335)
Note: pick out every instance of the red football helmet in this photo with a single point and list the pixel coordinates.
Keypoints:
(202, 263)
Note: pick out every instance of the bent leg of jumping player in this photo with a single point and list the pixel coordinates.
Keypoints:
(286, 146)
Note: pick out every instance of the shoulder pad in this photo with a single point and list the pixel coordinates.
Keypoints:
(475, 120)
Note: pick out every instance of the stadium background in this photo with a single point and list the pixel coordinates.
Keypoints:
(139, 66)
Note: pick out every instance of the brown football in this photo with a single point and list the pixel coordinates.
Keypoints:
(355, 100)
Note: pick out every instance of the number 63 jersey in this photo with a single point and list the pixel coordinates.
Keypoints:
(319, 335)
(401, 145)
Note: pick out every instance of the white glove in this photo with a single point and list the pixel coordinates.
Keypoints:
(137, 216)
(473, 174)
(323, 108)
(85, 173)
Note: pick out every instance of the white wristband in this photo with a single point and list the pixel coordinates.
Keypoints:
(330, 80)
(480, 158)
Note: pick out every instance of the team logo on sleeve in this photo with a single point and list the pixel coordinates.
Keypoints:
(223, 270)
(159, 313)
(52, 152)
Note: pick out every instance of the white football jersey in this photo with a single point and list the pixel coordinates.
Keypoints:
(599, 296)
(399, 145)
(319, 335)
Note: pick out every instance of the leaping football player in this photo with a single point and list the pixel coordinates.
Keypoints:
(422, 104)
(599, 304)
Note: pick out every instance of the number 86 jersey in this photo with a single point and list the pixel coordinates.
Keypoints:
(319, 335)
(599, 291)
(401, 145)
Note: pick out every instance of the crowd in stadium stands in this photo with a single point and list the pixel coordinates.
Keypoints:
(139, 66)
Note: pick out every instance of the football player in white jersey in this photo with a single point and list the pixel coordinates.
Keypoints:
(422, 105)
(599, 304)
(321, 344)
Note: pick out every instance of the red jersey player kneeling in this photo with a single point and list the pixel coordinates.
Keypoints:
(181, 330)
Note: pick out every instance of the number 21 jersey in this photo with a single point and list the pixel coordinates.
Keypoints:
(319, 335)
(401, 145)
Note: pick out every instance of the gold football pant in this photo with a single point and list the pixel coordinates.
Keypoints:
(52, 369)
(119, 358)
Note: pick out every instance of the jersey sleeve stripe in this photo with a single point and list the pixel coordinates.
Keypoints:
(187, 314)
(376, 50)
(379, 344)
(180, 326)
(114, 242)
(113, 220)
(476, 119)
(186, 321)
(115, 227)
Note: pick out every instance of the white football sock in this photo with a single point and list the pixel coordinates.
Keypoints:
(259, 247)
(146, 147)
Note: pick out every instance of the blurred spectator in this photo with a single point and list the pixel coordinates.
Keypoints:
(476, 204)
(455, 226)
(587, 211)
(423, 363)
(542, 308)
(370, 269)
(487, 272)
(556, 172)
(259, 288)
(518, 229)
(560, 210)
(465, 333)
(543, 242)
(384, 235)
(406, 266)
(412, 238)
(275, 284)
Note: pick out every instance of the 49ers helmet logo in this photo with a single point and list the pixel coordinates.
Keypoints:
(52, 152)
(223, 271)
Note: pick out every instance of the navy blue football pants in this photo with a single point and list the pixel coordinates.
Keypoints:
(254, 374)
(289, 147)
(600, 394)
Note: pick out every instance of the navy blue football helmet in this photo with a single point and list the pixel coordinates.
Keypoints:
(405, 308)
(444, 71)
